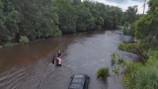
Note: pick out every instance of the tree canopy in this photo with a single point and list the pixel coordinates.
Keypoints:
(146, 28)
(34, 19)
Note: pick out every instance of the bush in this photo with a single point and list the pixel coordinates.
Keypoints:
(9, 44)
(118, 63)
(129, 47)
(103, 73)
(24, 39)
(127, 30)
(114, 58)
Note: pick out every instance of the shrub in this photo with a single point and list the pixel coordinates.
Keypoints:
(9, 44)
(116, 69)
(129, 47)
(103, 73)
(57, 33)
(114, 59)
(126, 29)
(24, 39)
(118, 63)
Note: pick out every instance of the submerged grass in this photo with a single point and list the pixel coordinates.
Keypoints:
(103, 73)
(129, 47)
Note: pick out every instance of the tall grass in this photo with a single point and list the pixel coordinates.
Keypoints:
(141, 76)
(129, 47)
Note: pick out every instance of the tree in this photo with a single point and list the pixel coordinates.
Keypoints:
(131, 14)
(146, 28)
(85, 20)
(35, 19)
(67, 17)
(30, 18)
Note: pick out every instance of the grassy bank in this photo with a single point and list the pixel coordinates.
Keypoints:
(143, 76)
(129, 47)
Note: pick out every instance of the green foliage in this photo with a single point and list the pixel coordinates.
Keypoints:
(9, 44)
(143, 76)
(116, 59)
(116, 69)
(135, 48)
(103, 73)
(130, 15)
(118, 63)
(85, 20)
(129, 47)
(67, 18)
(127, 29)
(143, 25)
(37, 19)
(32, 18)
(24, 39)
(146, 28)
(153, 4)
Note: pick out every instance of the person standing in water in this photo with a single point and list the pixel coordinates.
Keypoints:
(59, 53)
(54, 60)
(59, 60)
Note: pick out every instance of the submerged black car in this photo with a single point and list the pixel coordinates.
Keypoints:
(79, 81)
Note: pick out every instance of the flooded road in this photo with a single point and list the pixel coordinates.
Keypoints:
(30, 67)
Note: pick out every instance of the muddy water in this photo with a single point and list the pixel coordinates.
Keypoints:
(29, 66)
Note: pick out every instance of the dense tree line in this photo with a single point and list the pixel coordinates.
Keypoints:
(34, 19)
(30, 18)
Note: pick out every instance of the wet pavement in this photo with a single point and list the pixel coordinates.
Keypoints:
(82, 54)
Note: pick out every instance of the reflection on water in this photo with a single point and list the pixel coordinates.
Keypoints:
(30, 65)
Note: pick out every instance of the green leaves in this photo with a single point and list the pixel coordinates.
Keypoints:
(142, 76)
(103, 73)
(48, 18)
(23, 39)
(146, 28)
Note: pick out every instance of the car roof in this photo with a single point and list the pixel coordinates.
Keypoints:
(77, 81)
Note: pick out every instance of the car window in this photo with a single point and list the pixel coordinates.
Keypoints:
(78, 80)
(78, 76)
(76, 86)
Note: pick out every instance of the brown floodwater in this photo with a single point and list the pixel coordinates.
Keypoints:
(29, 66)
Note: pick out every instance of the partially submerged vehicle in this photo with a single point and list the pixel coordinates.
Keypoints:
(79, 81)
